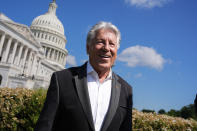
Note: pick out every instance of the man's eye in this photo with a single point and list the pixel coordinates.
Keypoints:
(99, 42)
(112, 44)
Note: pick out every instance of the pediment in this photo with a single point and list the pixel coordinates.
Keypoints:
(24, 31)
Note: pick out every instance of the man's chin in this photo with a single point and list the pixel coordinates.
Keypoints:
(104, 66)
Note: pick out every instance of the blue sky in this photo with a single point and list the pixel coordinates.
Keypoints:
(157, 55)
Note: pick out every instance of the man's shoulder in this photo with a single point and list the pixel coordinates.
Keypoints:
(123, 82)
(67, 71)
(70, 71)
(120, 79)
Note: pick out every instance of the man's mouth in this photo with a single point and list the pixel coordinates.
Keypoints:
(104, 56)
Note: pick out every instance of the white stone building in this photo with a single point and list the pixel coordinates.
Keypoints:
(29, 55)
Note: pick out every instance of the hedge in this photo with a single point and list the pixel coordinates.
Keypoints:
(20, 109)
(153, 122)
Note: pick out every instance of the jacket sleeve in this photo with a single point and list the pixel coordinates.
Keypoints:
(48, 113)
(127, 124)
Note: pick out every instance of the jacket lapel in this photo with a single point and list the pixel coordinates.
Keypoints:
(82, 91)
(114, 102)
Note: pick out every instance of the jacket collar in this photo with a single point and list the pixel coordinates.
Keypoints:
(82, 91)
(114, 102)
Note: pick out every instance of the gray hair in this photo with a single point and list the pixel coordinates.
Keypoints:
(103, 25)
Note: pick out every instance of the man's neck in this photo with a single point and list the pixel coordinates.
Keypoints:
(102, 74)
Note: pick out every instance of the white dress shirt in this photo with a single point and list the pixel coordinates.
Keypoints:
(99, 94)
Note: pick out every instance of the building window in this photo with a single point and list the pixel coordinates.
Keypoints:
(1, 79)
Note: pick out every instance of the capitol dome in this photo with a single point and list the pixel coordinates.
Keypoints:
(49, 20)
(49, 31)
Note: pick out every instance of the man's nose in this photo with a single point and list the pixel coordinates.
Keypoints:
(106, 46)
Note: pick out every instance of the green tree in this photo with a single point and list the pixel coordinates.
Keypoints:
(185, 112)
(188, 112)
(174, 113)
(148, 111)
(161, 111)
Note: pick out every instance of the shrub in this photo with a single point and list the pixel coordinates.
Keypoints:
(20, 108)
(153, 122)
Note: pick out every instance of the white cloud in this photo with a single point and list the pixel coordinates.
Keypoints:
(147, 3)
(142, 56)
(71, 60)
(138, 75)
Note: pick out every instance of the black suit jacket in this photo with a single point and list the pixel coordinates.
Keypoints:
(67, 106)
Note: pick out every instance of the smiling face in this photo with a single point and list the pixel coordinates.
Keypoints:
(103, 50)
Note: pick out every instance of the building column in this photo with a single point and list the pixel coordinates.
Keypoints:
(47, 37)
(53, 55)
(36, 34)
(25, 56)
(33, 65)
(14, 52)
(45, 51)
(40, 36)
(29, 62)
(39, 65)
(64, 63)
(48, 53)
(1, 43)
(19, 55)
(5, 57)
(61, 59)
(58, 56)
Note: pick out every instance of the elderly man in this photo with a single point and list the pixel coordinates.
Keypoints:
(90, 97)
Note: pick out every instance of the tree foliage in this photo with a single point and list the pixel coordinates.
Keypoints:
(148, 111)
(161, 111)
(185, 112)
